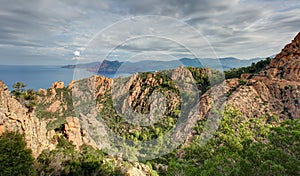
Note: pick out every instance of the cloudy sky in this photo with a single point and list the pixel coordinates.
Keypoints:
(64, 32)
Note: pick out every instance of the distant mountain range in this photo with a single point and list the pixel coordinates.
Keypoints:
(111, 67)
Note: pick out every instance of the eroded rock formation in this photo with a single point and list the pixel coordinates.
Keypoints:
(15, 117)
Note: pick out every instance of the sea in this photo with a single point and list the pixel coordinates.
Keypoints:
(41, 76)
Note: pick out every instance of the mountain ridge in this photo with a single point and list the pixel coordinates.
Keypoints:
(272, 93)
(111, 67)
(266, 86)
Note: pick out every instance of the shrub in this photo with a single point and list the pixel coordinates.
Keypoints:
(15, 158)
(26, 97)
(254, 68)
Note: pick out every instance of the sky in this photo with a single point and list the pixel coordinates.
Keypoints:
(38, 32)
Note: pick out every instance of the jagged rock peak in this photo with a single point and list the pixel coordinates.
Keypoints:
(58, 85)
(291, 48)
(15, 117)
(286, 64)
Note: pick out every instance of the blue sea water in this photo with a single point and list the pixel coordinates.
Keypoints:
(37, 76)
(43, 76)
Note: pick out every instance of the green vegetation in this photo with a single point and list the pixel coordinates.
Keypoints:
(253, 69)
(64, 96)
(134, 132)
(65, 160)
(15, 158)
(25, 97)
(19, 89)
(241, 146)
(205, 78)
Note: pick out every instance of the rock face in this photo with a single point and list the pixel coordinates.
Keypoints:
(276, 90)
(286, 64)
(72, 131)
(273, 92)
(262, 96)
(15, 117)
(142, 88)
(58, 85)
(138, 169)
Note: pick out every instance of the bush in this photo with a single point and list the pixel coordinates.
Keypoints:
(25, 97)
(241, 146)
(15, 158)
(19, 89)
(254, 68)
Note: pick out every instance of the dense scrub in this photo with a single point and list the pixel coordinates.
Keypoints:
(15, 158)
(253, 69)
(241, 146)
(65, 160)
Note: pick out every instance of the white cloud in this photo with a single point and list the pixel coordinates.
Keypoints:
(80, 49)
(76, 53)
(238, 28)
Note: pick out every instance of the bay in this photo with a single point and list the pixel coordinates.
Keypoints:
(36, 76)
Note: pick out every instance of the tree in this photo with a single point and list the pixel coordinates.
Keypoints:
(25, 97)
(19, 89)
(30, 99)
(15, 158)
(252, 69)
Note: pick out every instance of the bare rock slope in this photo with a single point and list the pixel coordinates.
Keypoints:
(274, 92)
(15, 117)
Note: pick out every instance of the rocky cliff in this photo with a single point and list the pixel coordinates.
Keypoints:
(275, 91)
(15, 117)
(52, 103)
(286, 64)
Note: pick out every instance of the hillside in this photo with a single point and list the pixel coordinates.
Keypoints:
(111, 67)
(240, 126)
(275, 90)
